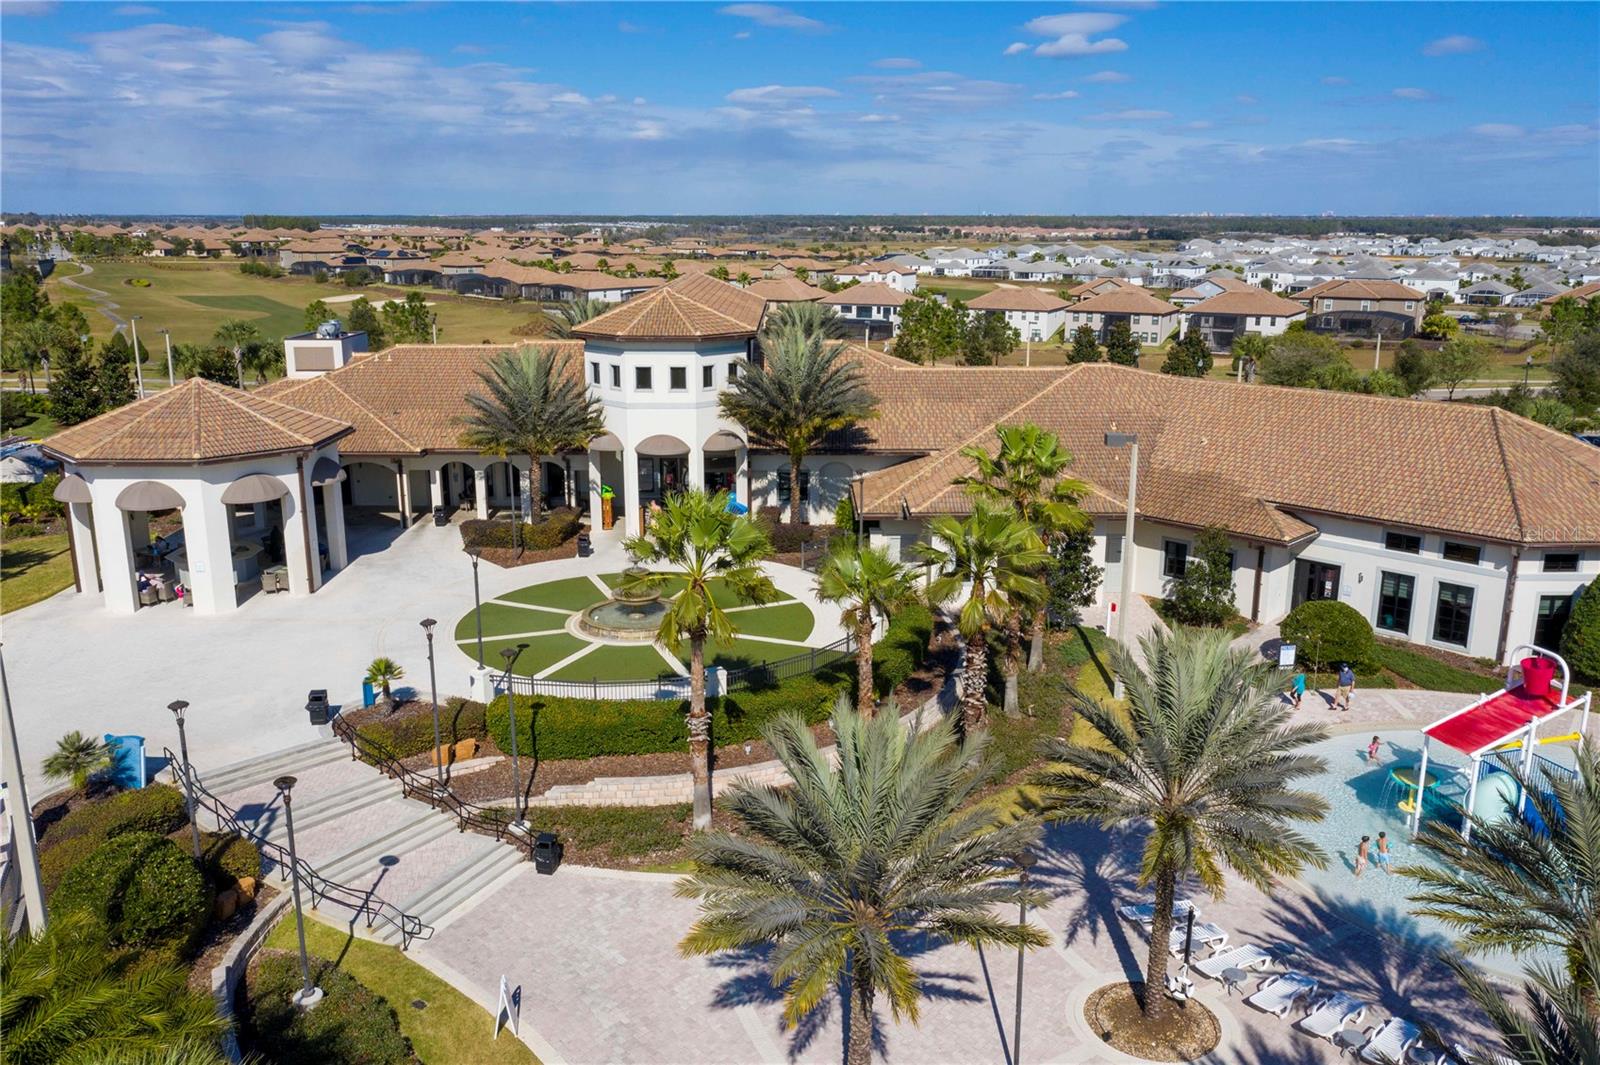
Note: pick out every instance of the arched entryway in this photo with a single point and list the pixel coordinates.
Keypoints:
(151, 520)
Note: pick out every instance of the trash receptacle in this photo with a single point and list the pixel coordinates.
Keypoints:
(127, 769)
(546, 853)
(583, 545)
(441, 516)
(317, 706)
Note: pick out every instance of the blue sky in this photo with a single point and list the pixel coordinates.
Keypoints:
(1416, 108)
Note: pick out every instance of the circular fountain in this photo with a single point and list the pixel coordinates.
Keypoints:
(627, 615)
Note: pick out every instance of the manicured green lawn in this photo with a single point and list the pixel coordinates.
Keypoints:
(542, 653)
(743, 653)
(450, 1029)
(502, 620)
(38, 429)
(574, 593)
(1434, 675)
(615, 832)
(721, 594)
(786, 621)
(33, 568)
(616, 662)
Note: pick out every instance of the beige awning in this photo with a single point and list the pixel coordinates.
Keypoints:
(72, 489)
(605, 442)
(722, 440)
(661, 445)
(254, 488)
(326, 471)
(149, 495)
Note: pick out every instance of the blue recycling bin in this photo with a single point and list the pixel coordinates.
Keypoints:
(127, 761)
(736, 507)
(369, 697)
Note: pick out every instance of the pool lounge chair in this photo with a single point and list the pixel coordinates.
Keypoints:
(1329, 1017)
(1248, 956)
(1390, 1042)
(1206, 934)
(1145, 912)
(1460, 1054)
(1278, 994)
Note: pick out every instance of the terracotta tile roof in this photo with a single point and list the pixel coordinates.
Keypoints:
(1017, 299)
(1252, 301)
(1582, 292)
(198, 421)
(1249, 458)
(1130, 300)
(1227, 284)
(694, 307)
(1103, 284)
(1351, 289)
(786, 290)
(868, 293)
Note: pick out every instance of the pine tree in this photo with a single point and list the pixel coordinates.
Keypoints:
(1121, 348)
(74, 387)
(113, 377)
(1084, 346)
(1188, 357)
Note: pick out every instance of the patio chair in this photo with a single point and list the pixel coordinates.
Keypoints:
(1247, 956)
(1328, 1017)
(1390, 1042)
(1459, 1055)
(1205, 934)
(1145, 912)
(149, 596)
(1278, 994)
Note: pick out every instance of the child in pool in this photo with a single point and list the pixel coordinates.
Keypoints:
(1361, 854)
(1381, 859)
(1372, 751)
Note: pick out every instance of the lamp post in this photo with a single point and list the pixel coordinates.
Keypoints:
(1130, 441)
(475, 552)
(1527, 364)
(433, 685)
(511, 654)
(178, 706)
(171, 377)
(20, 812)
(138, 374)
(308, 995)
(1025, 861)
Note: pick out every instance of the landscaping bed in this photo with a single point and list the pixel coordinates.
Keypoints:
(1415, 666)
(1184, 1034)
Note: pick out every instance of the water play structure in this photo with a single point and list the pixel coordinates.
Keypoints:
(1499, 727)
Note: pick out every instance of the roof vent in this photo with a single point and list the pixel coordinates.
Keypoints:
(332, 329)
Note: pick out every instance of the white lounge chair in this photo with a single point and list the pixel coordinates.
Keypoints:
(1460, 1053)
(1278, 994)
(1145, 912)
(1247, 956)
(1205, 934)
(1329, 1017)
(1390, 1042)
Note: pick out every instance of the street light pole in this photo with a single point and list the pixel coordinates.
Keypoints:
(1130, 441)
(1025, 861)
(21, 813)
(308, 995)
(138, 374)
(511, 654)
(178, 706)
(171, 377)
(477, 602)
(433, 684)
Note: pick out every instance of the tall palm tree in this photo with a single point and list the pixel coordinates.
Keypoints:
(836, 870)
(1516, 887)
(867, 582)
(577, 311)
(235, 335)
(802, 391)
(28, 344)
(808, 318)
(77, 758)
(1205, 757)
(535, 403)
(994, 557)
(66, 999)
(1028, 474)
(707, 547)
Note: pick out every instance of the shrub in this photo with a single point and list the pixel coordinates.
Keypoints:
(1327, 632)
(902, 649)
(352, 1025)
(1580, 640)
(787, 537)
(1204, 594)
(143, 889)
(157, 809)
(229, 858)
(844, 512)
(459, 719)
(559, 526)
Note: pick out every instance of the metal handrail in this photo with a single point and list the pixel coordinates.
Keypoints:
(484, 819)
(364, 903)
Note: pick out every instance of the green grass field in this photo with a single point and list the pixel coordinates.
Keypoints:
(542, 653)
(574, 593)
(502, 620)
(610, 662)
(33, 568)
(788, 621)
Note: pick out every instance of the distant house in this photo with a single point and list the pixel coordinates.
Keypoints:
(1487, 294)
(1535, 294)
(161, 249)
(1207, 287)
(786, 290)
(903, 278)
(1582, 292)
(870, 309)
(1151, 320)
(1435, 282)
(1035, 315)
(1363, 308)
(1225, 317)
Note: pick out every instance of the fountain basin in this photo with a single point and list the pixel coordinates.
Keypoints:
(617, 619)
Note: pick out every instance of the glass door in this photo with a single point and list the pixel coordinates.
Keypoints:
(1315, 580)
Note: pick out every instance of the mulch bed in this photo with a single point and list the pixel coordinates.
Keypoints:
(53, 807)
(1188, 1030)
(219, 936)
(508, 558)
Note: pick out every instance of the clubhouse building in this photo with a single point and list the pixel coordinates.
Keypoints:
(1454, 526)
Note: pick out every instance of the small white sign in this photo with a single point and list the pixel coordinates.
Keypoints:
(509, 1009)
(1286, 655)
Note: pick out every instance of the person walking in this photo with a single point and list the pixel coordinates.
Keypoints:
(1297, 688)
(1347, 685)
(1361, 854)
(1381, 859)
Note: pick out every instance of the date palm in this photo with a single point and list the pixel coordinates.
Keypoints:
(806, 318)
(1205, 757)
(534, 403)
(803, 390)
(577, 311)
(1516, 887)
(708, 548)
(1028, 473)
(993, 556)
(1562, 1027)
(77, 758)
(866, 582)
(840, 870)
(236, 335)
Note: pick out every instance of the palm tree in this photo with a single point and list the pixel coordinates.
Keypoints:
(994, 556)
(384, 672)
(1516, 887)
(1204, 756)
(706, 546)
(801, 392)
(77, 758)
(838, 871)
(1563, 1026)
(867, 582)
(236, 336)
(577, 311)
(28, 344)
(807, 318)
(1028, 474)
(536, 404)
(67, 999)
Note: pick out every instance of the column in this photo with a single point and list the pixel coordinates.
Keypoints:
(309, 495)
(480, 491)
(630, 491)
(526, 486)
(333, 514)
(114, 538)
(400, 494)
(435, 488)
(209, 544)
(83, 558)
(697, 468)
(594, 490)
(296, 526)
(741, 476)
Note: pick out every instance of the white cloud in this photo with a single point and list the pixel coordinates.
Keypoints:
(470, 49)
(1016, 48)
(1072, 34)
(1334, 79)
(742, 35)
(137, 11)
(778, 94)
(938, 89)
(27, 8)
(896, 63)
(1500, 130)
(875, 117)
(1412, 93)
(1107, 77)
(1454, 44)
(631, 27)
(1132, 114)
(775, 17)
(1067, 94)
(1246, 99)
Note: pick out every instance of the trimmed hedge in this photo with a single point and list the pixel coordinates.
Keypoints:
(157, 809)
(1580, 640)
(1326, 633)
(459, 719)
(558, 527)
(143, 889)
(787, 537)
(352, 1025)
(903, 648)
(229, 858)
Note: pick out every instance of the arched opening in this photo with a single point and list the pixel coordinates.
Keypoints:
(370, 492)
(152, 517)
(722, 462)
(257, 507)
(663, 467)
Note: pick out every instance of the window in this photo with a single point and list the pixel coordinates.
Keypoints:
(1553, 613)
(678, 378)
(847, 310)
(1366, 305)
(641, 378)
(1471, 554)
(783, 487)
(708, 376)
(1113, 548)
(1452, 618)
(1561, 562)
(616, 376)
(1404, 542)
(594, 372)
(733, 371)
(1327, 305)
(1175, 558)
(1395, 591)
(1411, 305)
